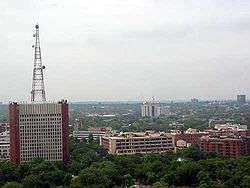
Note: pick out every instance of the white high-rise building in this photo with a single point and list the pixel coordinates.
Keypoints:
(150, 109)
(4, 145)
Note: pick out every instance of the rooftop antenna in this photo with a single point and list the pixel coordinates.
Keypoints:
(38, 90)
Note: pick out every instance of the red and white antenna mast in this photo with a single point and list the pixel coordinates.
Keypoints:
(38, 89)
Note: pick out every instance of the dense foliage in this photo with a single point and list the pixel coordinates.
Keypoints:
(92, 167)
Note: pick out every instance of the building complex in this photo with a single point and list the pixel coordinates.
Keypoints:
(133, 143)
(229, 146)
(230, 140)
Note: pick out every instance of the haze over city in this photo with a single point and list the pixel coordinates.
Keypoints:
(127, 50)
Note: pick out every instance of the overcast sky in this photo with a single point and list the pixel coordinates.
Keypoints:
(127, 49)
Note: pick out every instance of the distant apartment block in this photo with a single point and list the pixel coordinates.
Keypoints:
(4, 127)
(234, 127)
(150, 109)
(134, 143)
(4, 145)
(95, 132)
(176, 126)
(194, 100)
(241, 99)
(39, 130)
(213, 122)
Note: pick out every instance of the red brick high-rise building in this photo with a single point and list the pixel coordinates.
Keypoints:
(39, 130)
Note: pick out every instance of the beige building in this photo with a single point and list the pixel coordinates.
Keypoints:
(133, 143)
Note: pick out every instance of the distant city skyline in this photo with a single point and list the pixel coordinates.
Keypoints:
(127, 50)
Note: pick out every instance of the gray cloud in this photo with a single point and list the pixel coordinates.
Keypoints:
(127, 50)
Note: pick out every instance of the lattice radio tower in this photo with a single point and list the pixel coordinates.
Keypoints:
(38, 89)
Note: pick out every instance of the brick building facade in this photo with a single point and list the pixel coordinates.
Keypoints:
(39, 130)
(231, 147)
(189, 138)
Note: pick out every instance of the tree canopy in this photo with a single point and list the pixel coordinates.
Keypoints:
(92, 167)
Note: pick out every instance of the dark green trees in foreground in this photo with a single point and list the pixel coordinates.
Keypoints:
(92, 167)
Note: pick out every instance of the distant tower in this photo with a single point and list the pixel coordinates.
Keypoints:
(241, 99)
(38, 90)
(39, 129)
(150, 109)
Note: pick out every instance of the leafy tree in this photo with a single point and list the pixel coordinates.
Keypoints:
(160, 184)
(203, 177)
(7, 170)
(90, 138)
(93, 177)
(158, 167)
(12, 185)
(195, 123)
(31, 181)
(186, 174)
(22, 171)
(151, 177)
(245, 181)
(169, 178)
(110, 170)
(126, 164)
(205, 185)
(58, 177)
(127, 180)
(143, 171)
(74, 167)
(102, 152)
(75, 183)
(193, 152)
(41, 167)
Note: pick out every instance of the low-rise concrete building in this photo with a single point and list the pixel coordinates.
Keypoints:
(95, 132)
(234, 127)
(140, 142)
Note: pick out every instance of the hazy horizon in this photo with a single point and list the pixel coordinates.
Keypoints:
(130, 50)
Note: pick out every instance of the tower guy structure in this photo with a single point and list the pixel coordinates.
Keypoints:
(39, 129)
(38, 89)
